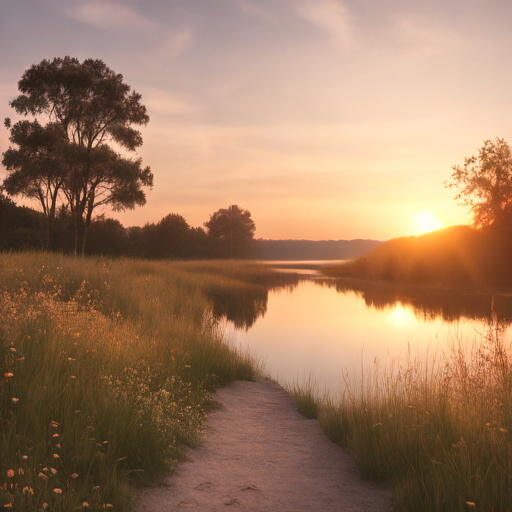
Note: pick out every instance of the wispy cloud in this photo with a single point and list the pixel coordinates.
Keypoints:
(419, 35)
(176, 43)
(109, 15)
(164, 102)
(332, 16)
(254, 10)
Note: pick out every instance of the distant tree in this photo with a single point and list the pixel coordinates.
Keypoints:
(94, 108)
(20, 227)
(485, 184)
(171, 237)
(107, 237)
(233, 229)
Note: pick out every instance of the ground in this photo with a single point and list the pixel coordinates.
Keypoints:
(261, 455)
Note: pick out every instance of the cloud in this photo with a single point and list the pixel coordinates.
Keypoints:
(332, 17)
(107, 15)
(176, 43)
(163, 102)
(419, 35)
(254, 10)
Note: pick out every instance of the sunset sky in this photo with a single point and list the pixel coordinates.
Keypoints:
(326, 119)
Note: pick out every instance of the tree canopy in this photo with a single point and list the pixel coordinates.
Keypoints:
(485, 184)
(89, 110)
(233, 229)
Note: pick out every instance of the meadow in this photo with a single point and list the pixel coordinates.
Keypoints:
(107, 369)
(437, 428)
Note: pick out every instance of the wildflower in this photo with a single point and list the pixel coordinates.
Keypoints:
(58, 446)
(57, 490)
(9, 505)
(42, 475)
(20, 471)
(471, 504)
(15, 400)
(85, 504)
(12, 349)
(503, 429)
(55, 455)
(56, 435)
(74, 475)
(10, 473)
(25, 457)
(8, 374)
(54, 471)
(377, 425)
(45, 505)
(28, 490)
(187, 366)
(54, 424)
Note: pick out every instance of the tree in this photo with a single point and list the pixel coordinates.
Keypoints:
(37, 166)
(94, 109)
(233, 229)
(485, 184)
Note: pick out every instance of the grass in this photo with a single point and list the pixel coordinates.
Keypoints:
(437, 429)
(106, 370)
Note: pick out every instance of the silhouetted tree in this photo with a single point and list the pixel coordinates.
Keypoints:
(20, 227)
(107, 237)
(94, 108)
(36, 168)
(171, 237)
(485, 184)
(233, 230)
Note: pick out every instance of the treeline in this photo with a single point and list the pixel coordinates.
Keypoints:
(22, 228)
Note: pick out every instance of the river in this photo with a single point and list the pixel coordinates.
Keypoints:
(322, 328)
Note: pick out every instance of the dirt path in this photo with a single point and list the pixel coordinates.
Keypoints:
(261, 455)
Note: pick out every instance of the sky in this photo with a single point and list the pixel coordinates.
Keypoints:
(326, 119)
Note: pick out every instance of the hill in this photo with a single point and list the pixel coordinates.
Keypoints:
(313, 250)
(458, 255)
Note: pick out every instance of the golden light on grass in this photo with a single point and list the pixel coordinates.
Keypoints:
(423, 222)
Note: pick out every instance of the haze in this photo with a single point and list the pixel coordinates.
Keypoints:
(325, 119)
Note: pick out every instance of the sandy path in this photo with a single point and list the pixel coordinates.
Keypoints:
(261, 455)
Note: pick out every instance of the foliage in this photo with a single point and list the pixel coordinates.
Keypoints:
(90, 108)
(233, 229)
(485, 184)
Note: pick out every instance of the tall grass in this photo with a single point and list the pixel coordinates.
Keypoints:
(438, 430)
(105, 373)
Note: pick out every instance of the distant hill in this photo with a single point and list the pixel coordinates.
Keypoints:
(313, 250)
(458, 255)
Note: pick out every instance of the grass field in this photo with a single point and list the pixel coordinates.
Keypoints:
(106, 369)
(438, 430)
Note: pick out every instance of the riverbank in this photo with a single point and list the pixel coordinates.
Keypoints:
(437, 429)
(458, 256)
(97, 355)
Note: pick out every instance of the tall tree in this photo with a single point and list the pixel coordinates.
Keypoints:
(485, 184)
(37, 167)
(233, 229)
(95, 109)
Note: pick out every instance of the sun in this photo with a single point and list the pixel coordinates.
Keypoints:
(423, 222)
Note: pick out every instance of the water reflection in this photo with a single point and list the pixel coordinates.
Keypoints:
(427, 303)
(243, 306)
(324, 327)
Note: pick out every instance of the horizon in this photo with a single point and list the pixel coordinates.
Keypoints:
(327, 121)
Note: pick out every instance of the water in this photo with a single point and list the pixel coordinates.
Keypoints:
(324, 328)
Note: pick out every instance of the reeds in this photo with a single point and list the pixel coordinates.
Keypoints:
(105, 373)
(438, 430)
